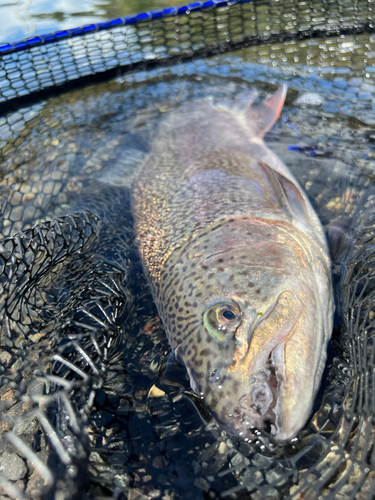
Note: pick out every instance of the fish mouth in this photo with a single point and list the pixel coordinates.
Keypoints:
(276, 379)
(263, 368)
(256, 410)
(280, 369)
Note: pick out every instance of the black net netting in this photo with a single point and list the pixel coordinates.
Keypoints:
(92, 405)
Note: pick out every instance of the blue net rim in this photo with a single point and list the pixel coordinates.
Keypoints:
(26, 44)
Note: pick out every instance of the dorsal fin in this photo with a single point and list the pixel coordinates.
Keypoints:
(262, 117)
(240, 102)
(244, 99)
(288, 195)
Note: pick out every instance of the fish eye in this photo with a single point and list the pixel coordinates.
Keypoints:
(227, 314)
(222, 320)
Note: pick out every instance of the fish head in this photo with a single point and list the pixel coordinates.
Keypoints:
(250, 322)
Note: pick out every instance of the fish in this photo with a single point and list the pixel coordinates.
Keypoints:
(238, 265)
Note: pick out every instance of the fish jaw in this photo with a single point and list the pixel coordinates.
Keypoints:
(281, 373)
(300, 374)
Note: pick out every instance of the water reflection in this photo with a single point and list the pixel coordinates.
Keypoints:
(25, 18)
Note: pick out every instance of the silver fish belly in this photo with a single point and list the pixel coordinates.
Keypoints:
(238, 265)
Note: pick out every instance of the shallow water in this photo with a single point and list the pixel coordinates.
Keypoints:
(328, 121)
(53, 163)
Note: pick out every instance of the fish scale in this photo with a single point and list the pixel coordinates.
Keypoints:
(238, 265)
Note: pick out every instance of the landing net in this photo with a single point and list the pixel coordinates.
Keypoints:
(90, 406)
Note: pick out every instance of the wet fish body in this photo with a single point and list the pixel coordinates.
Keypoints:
(238, 265)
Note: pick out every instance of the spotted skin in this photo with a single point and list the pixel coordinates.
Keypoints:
(219, 219)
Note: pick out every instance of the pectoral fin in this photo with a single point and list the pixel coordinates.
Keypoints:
(262, 117)
(122, 171)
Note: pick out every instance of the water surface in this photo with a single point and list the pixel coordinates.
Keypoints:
(24, 18)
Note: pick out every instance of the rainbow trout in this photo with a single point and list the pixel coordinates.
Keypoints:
(238, 265)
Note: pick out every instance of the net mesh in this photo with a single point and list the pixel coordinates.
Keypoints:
(91, 403)
(165, 36)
